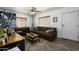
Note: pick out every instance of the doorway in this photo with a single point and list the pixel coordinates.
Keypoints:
(70, 26)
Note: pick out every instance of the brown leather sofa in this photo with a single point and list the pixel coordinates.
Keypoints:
(47, 33)
(22, 31)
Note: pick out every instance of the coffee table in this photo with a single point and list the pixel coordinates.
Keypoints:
(32, 37)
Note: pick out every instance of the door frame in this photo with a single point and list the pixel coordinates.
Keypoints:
(63, 22)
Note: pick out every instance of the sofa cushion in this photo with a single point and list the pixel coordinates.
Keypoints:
(39, 29)
(49, 30)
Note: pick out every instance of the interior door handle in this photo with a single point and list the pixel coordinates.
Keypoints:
(62, 25)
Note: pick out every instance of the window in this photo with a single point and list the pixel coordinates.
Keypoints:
(21, 22)
(44, 21)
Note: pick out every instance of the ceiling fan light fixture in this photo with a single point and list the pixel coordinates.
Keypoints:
(33, 13)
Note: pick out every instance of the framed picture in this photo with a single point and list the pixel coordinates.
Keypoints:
(55, 19)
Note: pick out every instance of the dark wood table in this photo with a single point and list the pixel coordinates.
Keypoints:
(13, 40)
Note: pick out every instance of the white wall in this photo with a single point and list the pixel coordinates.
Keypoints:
(56, 13)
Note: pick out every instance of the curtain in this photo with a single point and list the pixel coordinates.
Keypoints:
(44, 21)
(21, 22)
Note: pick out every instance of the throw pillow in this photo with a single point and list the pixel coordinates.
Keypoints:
(49, 30)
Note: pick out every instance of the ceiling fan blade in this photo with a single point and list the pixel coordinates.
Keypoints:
(37, 11)
(28, 12)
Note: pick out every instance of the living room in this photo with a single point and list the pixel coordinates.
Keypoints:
(42, 28)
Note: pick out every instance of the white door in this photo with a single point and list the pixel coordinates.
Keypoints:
(69, 29)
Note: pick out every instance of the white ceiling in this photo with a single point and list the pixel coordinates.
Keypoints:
(24, 10)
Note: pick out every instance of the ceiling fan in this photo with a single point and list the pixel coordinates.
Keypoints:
(33, 11)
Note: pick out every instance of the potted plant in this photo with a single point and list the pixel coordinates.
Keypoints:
(2, 36)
